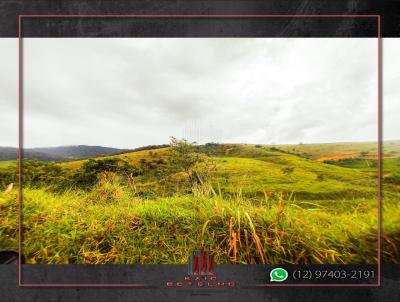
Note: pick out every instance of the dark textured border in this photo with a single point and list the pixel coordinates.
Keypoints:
(9, 291)
(200, 25)
(156, 275)
(388, 9)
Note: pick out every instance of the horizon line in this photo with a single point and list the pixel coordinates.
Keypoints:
(221, 143)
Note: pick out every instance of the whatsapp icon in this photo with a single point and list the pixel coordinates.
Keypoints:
(278, 275)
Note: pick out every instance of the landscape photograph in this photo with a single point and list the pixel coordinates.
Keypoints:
(256, 150)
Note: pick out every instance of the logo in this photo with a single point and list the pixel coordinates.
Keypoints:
(278, 274)
(201, 264)
(201, 273)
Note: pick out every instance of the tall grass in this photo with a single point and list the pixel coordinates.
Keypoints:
(246, 205)
(112, 224)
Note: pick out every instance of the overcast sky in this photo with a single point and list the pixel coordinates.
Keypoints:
(133, 92)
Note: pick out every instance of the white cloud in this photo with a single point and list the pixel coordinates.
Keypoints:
(134, 92)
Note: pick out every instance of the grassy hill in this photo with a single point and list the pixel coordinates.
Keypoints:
(244, 203)
(255, 170)
(317, 151)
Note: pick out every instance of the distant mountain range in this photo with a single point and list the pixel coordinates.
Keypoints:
(61, 153)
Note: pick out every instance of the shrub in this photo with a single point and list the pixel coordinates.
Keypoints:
(8, 175)
(392, 179)
(88, 175)
(55, 178)
(161, 161)
(287, 170)
(37, 174)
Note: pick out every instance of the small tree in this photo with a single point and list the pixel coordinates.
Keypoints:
(183, 155)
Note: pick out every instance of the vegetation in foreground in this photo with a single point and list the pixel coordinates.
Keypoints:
(244, 203)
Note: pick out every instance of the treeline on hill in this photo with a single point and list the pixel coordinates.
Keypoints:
(150, 147)
(54, 177)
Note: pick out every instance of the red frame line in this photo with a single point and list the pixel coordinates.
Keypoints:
(194, 16)
(379, 147)
(189, 16)
(81, 285)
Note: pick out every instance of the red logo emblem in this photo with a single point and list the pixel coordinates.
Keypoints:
(201, 264)
(201, 273)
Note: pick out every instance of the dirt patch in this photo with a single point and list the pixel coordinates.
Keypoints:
(355, 155)
(340, 156)
(383, 155)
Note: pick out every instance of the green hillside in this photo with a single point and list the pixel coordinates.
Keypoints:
(315, 151)
(244, 203)
(8, 163)
(255, 170)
